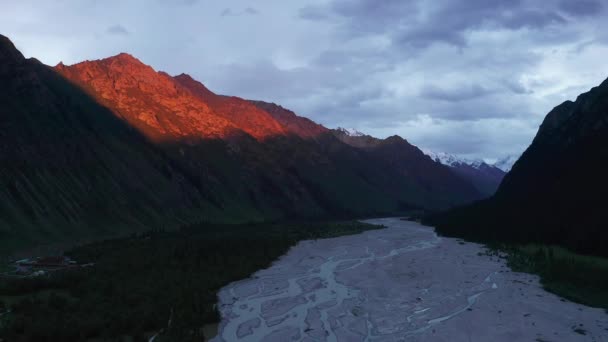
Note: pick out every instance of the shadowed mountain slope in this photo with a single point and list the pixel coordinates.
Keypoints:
(556, 192)
(401, 172)
(111, 146)
(486, 178)
(70, 168)
(433, 179)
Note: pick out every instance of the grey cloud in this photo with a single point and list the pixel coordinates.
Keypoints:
(382, 54)
(425, 36)
(581, 7)
(228, 12)
(460, 93)
(517, 88)
(181, 2)
(471, 138)
(312, 13)
(411, 24)
(388, 10)
(531, 18)
(117, 30)
(261, 80)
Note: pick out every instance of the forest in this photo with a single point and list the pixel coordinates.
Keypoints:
(156, 282)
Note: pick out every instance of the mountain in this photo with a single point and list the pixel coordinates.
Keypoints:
(556, 192)
(356, 139)
(410, 191)
(395, 153)
(448, 159)
(486, 178)
(112, 146)
(351, 132)
(248, 117)
(70, 168)
(507, 162)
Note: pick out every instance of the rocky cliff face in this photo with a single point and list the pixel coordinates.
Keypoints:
(241, 113)
(294, 124)
(153, 102)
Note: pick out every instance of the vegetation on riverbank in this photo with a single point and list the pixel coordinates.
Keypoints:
(157, 281)
(578, 278)
(564, 268)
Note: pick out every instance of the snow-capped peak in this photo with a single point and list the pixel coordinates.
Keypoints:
(452, 160)
(351, 132)
(507, 162)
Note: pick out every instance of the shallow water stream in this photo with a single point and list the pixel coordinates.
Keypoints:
(399, 283)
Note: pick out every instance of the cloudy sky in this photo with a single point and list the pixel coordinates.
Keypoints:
(469, 77)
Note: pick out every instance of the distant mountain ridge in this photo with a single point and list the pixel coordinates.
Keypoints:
(452, 160)
(352, 132)
(293, 123)
(410, 162)
(112, 146)
(484, 176)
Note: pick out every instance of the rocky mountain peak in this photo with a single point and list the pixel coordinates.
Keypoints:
(9, 55)
(351, 132)
(294, 124)
(8, 51)
(194, 85)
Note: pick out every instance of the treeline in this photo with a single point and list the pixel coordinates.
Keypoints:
(582, 279)
(139, 284)
(578, 225)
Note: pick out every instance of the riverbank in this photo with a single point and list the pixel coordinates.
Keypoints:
(157, 283)
(403, 282)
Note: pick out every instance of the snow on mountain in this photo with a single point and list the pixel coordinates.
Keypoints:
(452, 160)
(507, 162)
(351, 132)
(486, 178)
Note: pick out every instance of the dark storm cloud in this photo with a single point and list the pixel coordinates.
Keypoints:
(417, 24)
(117, 30)
(581, 7)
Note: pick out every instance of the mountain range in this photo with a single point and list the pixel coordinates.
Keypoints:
(556, 191)
(113, 146)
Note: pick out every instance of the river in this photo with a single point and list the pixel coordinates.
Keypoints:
(401, 283)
